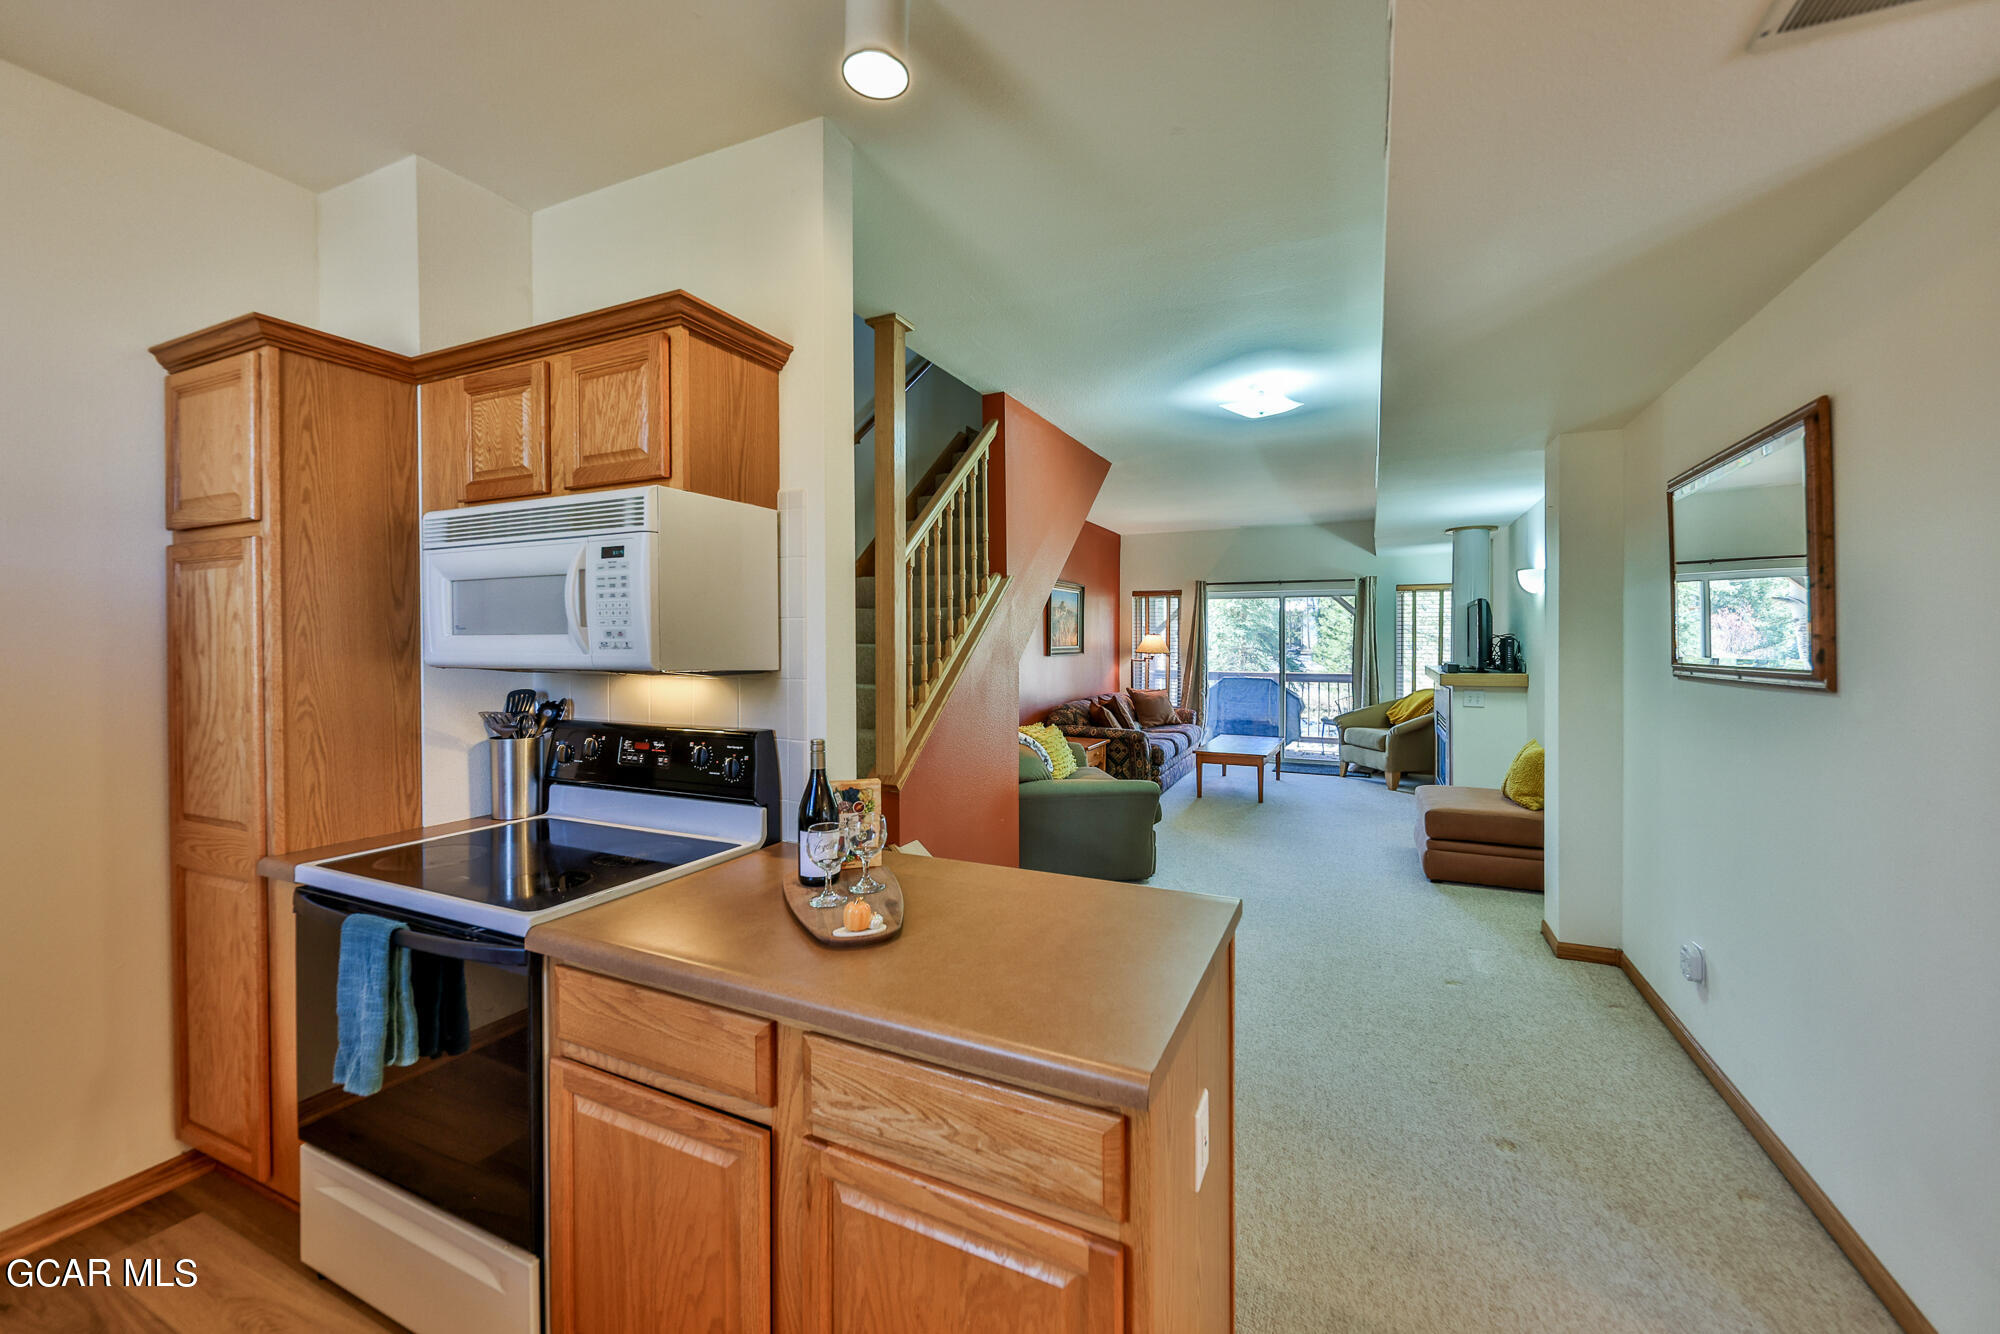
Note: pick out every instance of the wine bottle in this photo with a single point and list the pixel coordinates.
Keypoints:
(815, 807)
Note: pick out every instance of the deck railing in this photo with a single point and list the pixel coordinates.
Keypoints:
(1322, 697)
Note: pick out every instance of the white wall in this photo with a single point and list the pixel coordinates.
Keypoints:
(1288, 551)
(763, 229)
(1581, 688)
(114, 234)
(1522, 545)
(1833, 854)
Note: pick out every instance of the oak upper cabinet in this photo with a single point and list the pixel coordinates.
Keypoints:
(887, 1250)
(667, 390)
(217, 821)
(293, 716)
(611, 427)
(659, 1211)
(214, 433)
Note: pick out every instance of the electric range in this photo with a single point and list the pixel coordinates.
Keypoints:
(424, 1198)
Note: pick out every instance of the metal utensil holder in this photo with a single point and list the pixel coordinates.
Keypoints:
(520, 772)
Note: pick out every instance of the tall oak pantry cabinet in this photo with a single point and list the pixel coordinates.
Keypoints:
(292, 682)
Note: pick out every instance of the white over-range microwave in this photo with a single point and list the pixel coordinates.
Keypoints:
(650, 579)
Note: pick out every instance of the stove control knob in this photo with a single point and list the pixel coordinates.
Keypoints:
(565, 753)
(702, 755)
(593, 746)
(732, 769)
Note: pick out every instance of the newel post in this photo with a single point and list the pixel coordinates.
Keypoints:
(892, 581)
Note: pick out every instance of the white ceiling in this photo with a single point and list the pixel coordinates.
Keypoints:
(1586, 198)
(1099, 208)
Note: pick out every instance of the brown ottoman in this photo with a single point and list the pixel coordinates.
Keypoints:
(1475, 836)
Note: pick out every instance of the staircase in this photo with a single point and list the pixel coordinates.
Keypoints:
(950, 583)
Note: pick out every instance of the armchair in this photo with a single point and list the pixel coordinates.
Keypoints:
(1369, 740)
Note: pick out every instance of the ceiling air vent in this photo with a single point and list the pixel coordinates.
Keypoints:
(1788, 20)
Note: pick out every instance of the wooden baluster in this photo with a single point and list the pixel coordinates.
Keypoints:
(985, 522)
(964, 550)
(967, 521)
(951, 560)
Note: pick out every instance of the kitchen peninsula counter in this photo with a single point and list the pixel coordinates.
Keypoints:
(1075, 986)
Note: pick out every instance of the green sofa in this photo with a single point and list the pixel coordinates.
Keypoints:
(1089, 823)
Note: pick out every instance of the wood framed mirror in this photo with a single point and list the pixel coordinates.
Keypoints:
(1750, 550)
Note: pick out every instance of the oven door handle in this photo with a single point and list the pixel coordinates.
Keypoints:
(426, 942)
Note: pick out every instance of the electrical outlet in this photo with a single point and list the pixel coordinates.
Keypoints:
(1472, 699)
(1694, 963)
(1201, 1140)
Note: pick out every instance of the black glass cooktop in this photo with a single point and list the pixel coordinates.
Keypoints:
(532, 864)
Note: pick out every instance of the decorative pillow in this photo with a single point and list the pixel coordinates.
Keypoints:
(1041, 751)
(1152, 708)
(1413, 705)
(1062, 760)
(1523, 785)
(1121, 709)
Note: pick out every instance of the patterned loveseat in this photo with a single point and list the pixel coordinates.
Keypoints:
(1164, 754)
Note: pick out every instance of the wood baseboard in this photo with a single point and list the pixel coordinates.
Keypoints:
(271, 1193)
(1901, 1308)
(1582, 953)
(64, 1220)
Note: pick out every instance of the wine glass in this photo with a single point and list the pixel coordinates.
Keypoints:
(865, 835)
(826, 848)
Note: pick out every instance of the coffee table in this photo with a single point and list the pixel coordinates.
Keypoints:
(1226, 750)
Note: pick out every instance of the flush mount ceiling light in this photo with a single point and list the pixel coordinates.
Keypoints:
(878, 31)
(1257, 400)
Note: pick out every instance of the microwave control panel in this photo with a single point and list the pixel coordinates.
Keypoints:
(619, 618)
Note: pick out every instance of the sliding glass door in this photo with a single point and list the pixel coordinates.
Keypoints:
(1280, 661)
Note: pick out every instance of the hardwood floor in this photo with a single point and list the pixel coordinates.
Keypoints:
(245, 1249)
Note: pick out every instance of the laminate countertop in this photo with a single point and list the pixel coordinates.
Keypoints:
(1071, 985)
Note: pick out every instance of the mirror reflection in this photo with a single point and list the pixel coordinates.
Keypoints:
(1742, 596)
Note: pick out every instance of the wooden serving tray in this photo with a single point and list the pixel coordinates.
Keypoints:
(820, 923)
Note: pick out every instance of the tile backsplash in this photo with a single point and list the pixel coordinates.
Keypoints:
(455, 778)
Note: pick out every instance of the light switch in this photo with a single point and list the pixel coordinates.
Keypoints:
(1201, 1140)
(1472, 699)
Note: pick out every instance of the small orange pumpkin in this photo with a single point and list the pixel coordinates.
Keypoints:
(858, 915)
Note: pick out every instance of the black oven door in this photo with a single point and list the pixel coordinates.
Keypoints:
(459, 1131)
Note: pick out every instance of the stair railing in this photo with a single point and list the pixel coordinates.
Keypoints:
(936, 587)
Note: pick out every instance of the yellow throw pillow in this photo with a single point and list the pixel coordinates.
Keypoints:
(1523, 785)
(1062, 760)
(1413, 705)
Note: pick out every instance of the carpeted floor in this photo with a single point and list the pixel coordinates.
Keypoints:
(1441, 1127)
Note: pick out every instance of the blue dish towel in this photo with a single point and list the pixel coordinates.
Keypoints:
(375, 1006)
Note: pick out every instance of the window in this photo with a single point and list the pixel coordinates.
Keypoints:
(1423, 632)
(1282, 646)
(1158, 613)
(1743, 618)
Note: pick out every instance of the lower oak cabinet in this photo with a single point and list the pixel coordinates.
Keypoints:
(659, 1211)
(888, 1252)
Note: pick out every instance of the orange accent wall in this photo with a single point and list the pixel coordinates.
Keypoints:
(962, 798)
(1048, 681)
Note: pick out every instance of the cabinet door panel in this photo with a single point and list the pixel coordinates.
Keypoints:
(659, 1211)
(220, 931)
(506, 432)
(893, 1253)
(213, 686)
(217, 827)
(214, 443)
(611, 409)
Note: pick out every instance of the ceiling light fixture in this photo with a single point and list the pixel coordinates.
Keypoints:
(1260, 401)
(878, 31)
